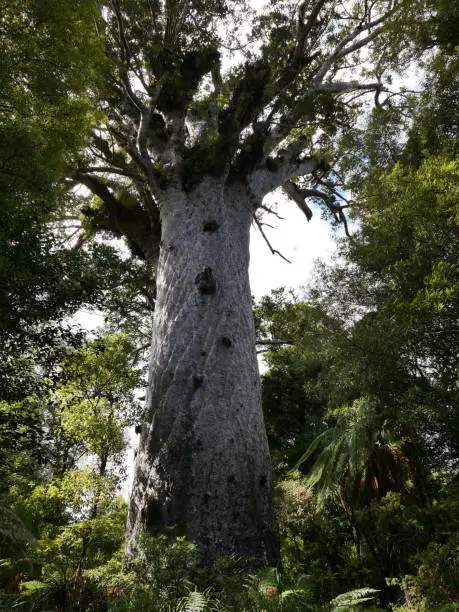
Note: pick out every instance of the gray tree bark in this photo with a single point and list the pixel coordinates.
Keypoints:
(203, 466)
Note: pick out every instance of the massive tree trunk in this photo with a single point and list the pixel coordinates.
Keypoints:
(203, 467)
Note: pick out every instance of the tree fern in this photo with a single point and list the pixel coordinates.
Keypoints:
(346, 448)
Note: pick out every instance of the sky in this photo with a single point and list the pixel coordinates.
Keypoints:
(298, 240)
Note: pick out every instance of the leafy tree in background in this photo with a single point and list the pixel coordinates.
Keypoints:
(45, 115)
(95, 400)
(388, 450)
(398, 374)
(65, 469)
(293, 391)
(52, 59)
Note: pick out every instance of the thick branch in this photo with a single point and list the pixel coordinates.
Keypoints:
(359, 44)
(248, 100)
(173, 154)
(147, 114)
(290, 119)
(286, 166)
(260, 92)
(132, 221)
(345, 86)
(124, 136)
(298, 57)
(298, 196)
(312, 19)
(346, 46)
(125, 58)
(174, 21)
(112, 170)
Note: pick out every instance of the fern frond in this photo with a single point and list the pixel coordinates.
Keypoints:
(315, 444)
(196, 601)
(343, 450)
(353, 598)
(265, 577)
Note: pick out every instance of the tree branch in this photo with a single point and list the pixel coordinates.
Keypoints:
(299, 197)
(110, 156)
(147, 114)
(267, 343)
(273, 251)
(312, 19)
(345, 86)
(274, 342)
(140, 229)
(271, 211)
(342, 50)
(125, 58)
(278, 170)
(113, 170)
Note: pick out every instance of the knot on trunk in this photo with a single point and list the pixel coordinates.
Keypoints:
(210, 226)
(197, 381)
(205, 282)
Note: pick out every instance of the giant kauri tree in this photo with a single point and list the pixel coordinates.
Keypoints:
(195, 126)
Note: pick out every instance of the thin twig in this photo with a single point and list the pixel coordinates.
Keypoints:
(271, 212)
(273, 251)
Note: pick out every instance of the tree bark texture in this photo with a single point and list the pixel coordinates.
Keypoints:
(203, 467)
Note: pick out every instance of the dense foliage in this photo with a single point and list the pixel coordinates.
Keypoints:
(370, 411)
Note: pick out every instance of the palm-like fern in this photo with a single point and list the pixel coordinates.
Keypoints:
(356, 456)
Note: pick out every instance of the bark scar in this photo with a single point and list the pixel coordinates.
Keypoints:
(197, 381)
(210, 226)
(205, 282)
